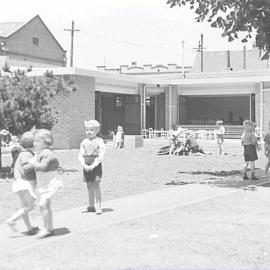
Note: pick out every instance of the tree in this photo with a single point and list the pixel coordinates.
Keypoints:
(25, 101)
(234, 17)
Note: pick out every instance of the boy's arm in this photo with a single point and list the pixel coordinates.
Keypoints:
(80, 155)
(101, 155)
(26, 166)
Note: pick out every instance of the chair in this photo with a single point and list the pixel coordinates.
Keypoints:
(151, 134)
(144, 133)
(202, 134)
(164, 134)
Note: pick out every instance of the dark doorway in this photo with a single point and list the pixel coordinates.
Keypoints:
(150, 112)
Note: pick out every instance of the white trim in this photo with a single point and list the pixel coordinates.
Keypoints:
(170, 106)
(261, 109)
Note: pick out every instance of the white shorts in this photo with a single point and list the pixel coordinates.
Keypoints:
(48, 192)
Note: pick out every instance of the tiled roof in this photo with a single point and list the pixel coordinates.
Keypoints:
(217, 61)
(7, 29)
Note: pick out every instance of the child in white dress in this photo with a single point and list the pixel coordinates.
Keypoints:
(24, 183)
(46, 165)
(220, 131)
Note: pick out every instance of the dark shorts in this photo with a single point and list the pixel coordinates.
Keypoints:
(250, 152)
(94, 175)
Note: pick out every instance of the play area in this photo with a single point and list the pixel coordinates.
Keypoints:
(158, 209)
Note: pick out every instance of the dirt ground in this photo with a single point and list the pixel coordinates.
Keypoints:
(227, 232)
(137, 170)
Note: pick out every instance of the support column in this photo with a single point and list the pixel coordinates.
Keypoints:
(142, 92)
(98, 106)
(171, 106)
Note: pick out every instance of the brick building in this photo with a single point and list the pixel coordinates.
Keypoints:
(138, 102)
(29, 43)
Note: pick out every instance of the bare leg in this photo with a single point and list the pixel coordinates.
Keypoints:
(267, 166)
(98, 197)
(252, 167)
(47, 217)
(245, 177)
(91, 195)
(50, 216)
(27, 205)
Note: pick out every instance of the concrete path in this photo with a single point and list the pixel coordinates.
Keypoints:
(74, 221)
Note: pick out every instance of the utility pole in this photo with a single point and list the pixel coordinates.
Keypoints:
(72, 30)
(183, 59)
(201, 52)
(200, 49)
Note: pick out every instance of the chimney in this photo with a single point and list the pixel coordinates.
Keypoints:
(101, 68)
(147, 67)
(244, 57)
(123, 68)
(228, 60)
(134, 64)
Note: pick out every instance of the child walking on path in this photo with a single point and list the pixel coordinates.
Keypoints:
(46, 165)
(267, 148)
(24, 184)
(249, 142)
(91, 154)
(220, 131)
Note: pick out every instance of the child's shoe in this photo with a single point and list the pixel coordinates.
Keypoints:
(99, 211)
(33, 231)
(245, 177)
(90, 209)
(11, 225)
(45, 233)
(253, 177)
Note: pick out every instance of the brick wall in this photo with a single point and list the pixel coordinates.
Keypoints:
(74, 108)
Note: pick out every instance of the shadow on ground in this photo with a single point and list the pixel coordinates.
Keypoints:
(61, 231)
(230, 178)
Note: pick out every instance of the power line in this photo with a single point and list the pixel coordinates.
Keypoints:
(135, 43)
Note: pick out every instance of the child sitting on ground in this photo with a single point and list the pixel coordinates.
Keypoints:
(192, 146)
(91, 154)
(267, 149)
(24, 183)
(249, 142)
(46, 165)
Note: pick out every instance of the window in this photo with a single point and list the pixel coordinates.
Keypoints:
(35, 41)
(119, 103)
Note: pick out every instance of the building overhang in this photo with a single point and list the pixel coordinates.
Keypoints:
(218, 78)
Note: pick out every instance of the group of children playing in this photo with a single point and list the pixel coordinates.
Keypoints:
(36, 179)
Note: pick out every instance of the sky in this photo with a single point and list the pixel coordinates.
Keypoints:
(118, 32)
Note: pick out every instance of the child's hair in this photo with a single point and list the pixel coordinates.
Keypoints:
(248, 125)
(27, 140)
(219, 122)
(45, 135)
(92, 124)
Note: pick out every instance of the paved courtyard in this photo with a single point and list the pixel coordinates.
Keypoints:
(164, 212)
